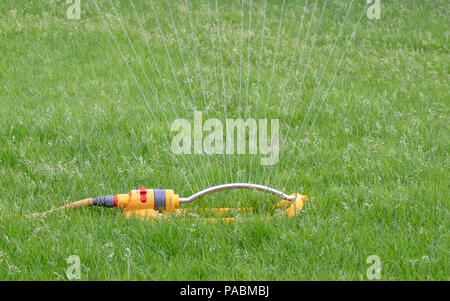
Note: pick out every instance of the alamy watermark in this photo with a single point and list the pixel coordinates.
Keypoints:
(374, 10)
(74, 9)
(374, 270)
(74, 270)
(213, 137)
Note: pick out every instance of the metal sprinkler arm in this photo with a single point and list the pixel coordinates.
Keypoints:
(237, 186)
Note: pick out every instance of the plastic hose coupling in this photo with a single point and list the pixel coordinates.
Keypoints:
(104, 201)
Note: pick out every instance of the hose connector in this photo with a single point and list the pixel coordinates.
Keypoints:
(104, 201)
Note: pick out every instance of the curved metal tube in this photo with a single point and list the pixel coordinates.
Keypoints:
(236, 186)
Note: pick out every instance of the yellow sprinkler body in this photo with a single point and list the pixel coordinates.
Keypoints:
(150, 204)
(163, 200)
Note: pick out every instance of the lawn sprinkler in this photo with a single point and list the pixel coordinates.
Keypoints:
(152, 204)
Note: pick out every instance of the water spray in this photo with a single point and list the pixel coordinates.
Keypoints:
(150, 204)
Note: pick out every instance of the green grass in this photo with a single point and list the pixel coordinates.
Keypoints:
(74, 124)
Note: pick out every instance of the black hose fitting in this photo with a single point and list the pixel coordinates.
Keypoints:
(104, 201)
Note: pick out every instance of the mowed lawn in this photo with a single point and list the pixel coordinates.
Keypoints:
(86, 107)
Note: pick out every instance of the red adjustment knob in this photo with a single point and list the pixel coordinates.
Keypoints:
(143, 194)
